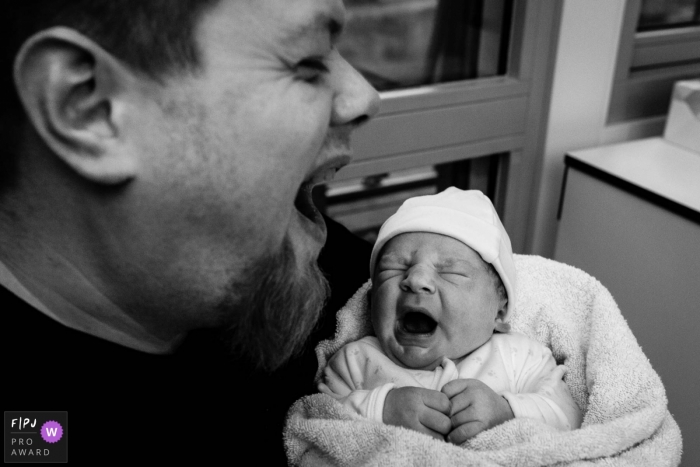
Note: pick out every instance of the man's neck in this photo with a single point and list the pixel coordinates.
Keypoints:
(52, 284)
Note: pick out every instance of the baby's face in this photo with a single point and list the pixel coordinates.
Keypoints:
(432, 296)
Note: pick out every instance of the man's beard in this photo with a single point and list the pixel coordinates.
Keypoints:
(278, 304)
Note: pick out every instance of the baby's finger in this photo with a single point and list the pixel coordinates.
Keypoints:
(461, 417)
(436, 421)
(463, 432)
(437, 400)
(456, 386)
(432, 433)
(461, 402)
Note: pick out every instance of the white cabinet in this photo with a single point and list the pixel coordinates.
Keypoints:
(630, 216)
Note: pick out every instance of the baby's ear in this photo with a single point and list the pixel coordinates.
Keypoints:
(501, 325)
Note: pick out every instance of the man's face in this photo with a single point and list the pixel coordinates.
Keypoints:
(233, 150)
(432, 297)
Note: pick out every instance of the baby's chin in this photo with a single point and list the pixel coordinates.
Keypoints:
(416, 358)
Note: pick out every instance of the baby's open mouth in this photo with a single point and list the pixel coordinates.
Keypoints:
(415, 322)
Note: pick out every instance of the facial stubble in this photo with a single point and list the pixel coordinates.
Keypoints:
(276, 307)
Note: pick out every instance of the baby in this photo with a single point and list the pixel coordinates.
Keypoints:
(444, 361)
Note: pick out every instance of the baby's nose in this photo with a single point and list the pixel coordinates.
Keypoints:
(418, 280)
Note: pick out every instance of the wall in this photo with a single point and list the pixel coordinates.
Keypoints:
(589, 38)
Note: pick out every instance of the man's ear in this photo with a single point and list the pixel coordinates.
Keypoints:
(73, 92)
(501, 325)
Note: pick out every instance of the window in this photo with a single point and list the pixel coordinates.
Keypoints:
(404, 44)
(660, 45)
(407, 43)
(463, 89)
(665, 14)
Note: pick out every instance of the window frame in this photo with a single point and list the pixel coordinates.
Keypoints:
(456, 121)
(648, 64)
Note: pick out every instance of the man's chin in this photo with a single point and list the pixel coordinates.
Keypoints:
(278, 304)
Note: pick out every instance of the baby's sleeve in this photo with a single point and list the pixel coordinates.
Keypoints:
(343, 379)
(541, 392)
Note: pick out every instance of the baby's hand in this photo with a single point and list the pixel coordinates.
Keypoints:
(419, 409)
(475, 408)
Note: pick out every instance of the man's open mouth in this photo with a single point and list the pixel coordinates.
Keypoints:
(304, 199)
(304, 203)
(417, 323)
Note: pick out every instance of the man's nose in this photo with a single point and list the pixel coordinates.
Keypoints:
(418, 281)
(355, 100)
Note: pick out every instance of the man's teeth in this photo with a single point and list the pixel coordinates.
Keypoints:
(322, 177)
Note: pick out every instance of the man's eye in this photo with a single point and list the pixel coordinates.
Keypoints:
(311, 69)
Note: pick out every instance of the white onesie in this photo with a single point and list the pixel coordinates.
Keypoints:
(516, 367)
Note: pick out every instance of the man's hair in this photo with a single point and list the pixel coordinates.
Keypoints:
(153, 37)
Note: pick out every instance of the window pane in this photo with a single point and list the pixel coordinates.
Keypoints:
(405, 43)
(663, 14)
(362, 205)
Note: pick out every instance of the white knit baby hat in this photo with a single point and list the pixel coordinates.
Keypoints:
(467, 216)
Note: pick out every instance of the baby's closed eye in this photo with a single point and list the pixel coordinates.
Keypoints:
(386, 272)
(454, 273)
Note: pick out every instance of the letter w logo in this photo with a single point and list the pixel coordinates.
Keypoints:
(52, 432)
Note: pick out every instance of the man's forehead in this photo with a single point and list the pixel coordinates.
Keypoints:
(280, 27)
(303, 18)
